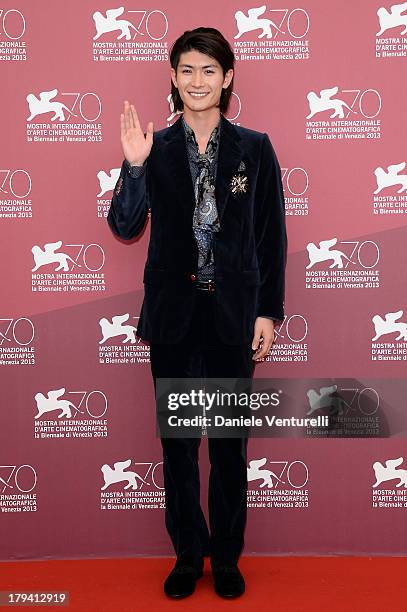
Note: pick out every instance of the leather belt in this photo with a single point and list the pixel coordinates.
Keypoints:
(208, 285)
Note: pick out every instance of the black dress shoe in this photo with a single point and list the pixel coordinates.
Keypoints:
(228, 580)
(181, 580)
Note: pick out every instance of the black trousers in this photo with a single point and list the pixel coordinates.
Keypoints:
(202, 354)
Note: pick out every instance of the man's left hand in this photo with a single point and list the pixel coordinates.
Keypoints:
(263, 338)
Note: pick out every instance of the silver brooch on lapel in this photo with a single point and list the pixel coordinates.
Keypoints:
(239, 182)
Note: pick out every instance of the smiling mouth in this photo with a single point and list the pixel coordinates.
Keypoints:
(195, 94)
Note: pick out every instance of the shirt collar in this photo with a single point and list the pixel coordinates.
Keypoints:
(190, 134)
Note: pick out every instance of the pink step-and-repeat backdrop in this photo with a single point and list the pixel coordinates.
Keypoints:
(80, 463)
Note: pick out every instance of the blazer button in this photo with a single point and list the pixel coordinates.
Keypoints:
(193, 277)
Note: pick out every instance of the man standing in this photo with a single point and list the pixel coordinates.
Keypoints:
(213, 282)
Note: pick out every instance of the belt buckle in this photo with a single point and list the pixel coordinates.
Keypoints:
(210, 285)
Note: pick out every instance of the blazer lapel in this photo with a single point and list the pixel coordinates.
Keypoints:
(230, 154)
(177, 161)
(229, 157)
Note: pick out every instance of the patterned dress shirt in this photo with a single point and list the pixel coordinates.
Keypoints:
(203, 168)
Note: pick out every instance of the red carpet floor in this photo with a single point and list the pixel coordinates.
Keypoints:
(296, 584)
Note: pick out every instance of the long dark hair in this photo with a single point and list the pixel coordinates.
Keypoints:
(210, 42)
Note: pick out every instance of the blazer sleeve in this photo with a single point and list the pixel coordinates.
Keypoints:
(270, 234)
(130, 203)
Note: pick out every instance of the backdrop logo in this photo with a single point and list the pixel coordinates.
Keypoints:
(86, 107)
(17, 488)
(352, 411)
(353, 113)
(173, 113)
(395, 494)
(290, 344)
(140, 35)
(45, 104)
(271, 34)
(280, 484)
(116, 327)
(390, 471)
(393, 348)
(351, 266)
(107, 182)
(12, 29)
(389, 325)
(17, 342)
(394, 185)
(89, 258)
(15, 189)
(394, 44)
(295, 185)
(126, 348)
(134, 489)
(343, 400)
(111, 23)
(90, 405)
(324, 398)
(235, 108)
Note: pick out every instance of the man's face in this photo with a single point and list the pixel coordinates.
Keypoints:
(199, 79)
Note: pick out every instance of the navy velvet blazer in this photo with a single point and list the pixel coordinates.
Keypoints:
(250, 250)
